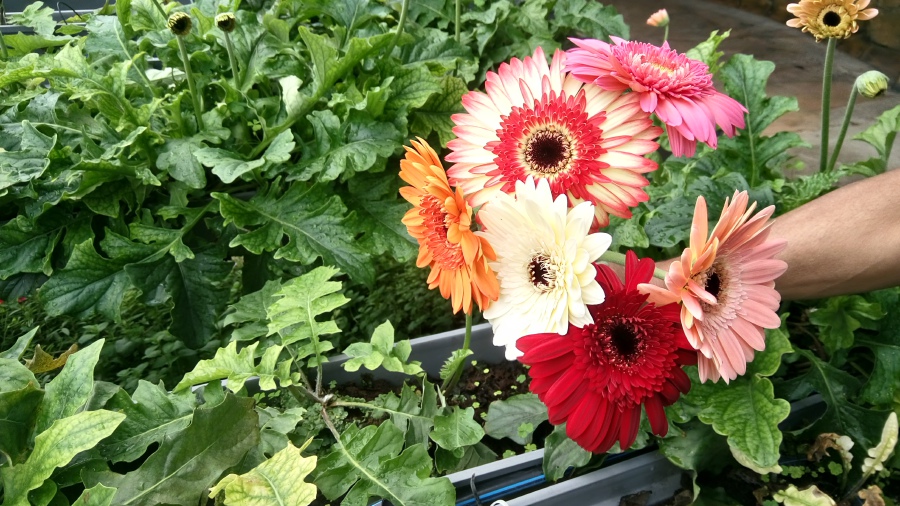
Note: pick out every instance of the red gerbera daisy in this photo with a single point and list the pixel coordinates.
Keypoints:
(597, 378)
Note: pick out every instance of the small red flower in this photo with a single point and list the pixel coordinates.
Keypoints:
(22, 300)
(596, 378)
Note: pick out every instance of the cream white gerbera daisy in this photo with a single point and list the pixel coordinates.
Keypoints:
(544, 262)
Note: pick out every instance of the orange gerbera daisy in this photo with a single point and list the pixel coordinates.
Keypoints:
(441, 221)
(726, 285)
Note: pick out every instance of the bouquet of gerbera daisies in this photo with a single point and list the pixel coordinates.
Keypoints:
(545, 155)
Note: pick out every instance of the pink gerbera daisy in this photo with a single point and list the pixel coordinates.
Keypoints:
(678, 89)
(536, 120)
(726, 284)
(596, 378)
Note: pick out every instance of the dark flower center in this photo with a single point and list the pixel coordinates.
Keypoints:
(547, 152)
(831, 19)
(713, 284)
(541, 272)
(624, 340)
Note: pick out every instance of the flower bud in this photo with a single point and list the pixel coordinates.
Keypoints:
(871, 84)
(659, 18)
(226, 22)
(180, 23)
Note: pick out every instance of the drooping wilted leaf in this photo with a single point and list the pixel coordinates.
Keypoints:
(880, 453)
(810, 496)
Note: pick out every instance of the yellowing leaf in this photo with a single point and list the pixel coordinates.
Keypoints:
(277, 481)
(811, 496)
(43, 362)
(880, 453)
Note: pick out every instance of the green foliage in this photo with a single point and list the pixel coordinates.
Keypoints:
(505, 417)
(238, 367)
(278, 481)
(561, 453)
(841, 316)
(382, 352)
(880, 136)
(883, 384)
(457, 429)
(369, 462)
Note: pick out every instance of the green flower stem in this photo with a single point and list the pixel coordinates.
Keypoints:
(666, 34)
(229, 48)
(451, 380)
(851, 103)
(192, 88)
(826, 102)
(365, 405)
(404, 7)
(618, 258)
(456, 26)
(3, 52)
(159, 8)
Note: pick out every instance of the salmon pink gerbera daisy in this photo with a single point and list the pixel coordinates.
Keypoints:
(441, 222)
(596, 378)
(536, 120)
(677, 88)
(726, 285)
(544, 262)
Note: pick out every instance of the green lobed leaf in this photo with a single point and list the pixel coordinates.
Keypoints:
(505, 417)
(368, 463)
(238, 367)
(434, 115)
(561, 453)
(840, 317)
(841, 416)
(230, 166)
(88, 284)
(54, 448)
(412, 412)
(457, 429)
(30, 162)
(187, 464)
(454, 362)
(379, 212)
(177, 157)
(884, 382)
(27, 246)
(381, 352)
(249, 313)
(301, 300)
(695, 446)
(277, 481)
(587, 18)
(71, 388)
(327, 66)
(810, 496)
(311, 217)
(747, 412)
(448, 461)
(881, 136)
(708, 50)
(341, 150)
(98, 495)
(152, 415)
(37, 16)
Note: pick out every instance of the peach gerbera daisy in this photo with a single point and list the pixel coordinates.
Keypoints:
(726, 284)
(536, 120)
(678, 89)
(442, 223)
(826, 19)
